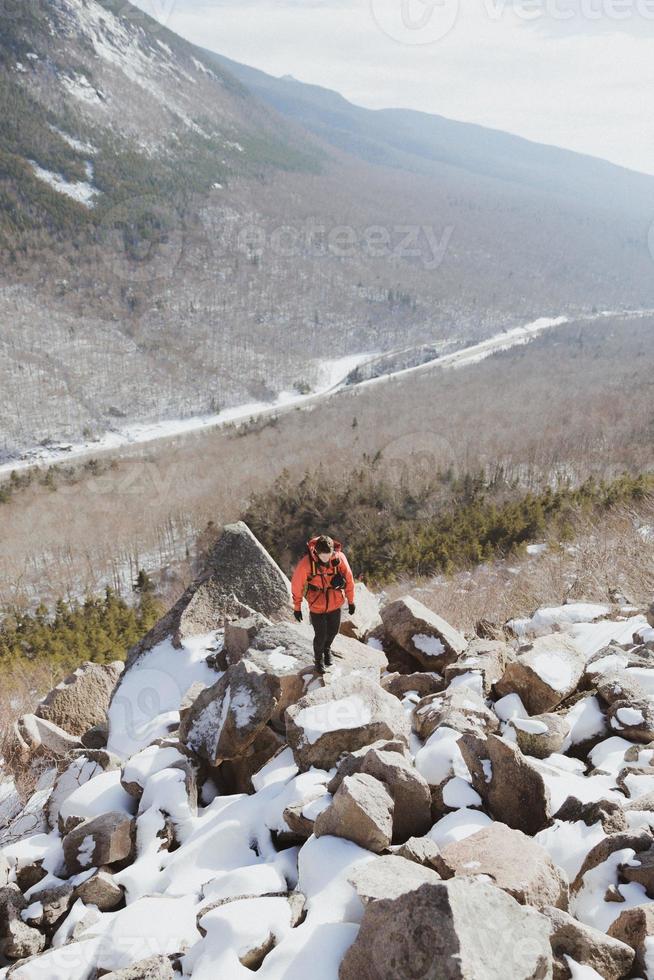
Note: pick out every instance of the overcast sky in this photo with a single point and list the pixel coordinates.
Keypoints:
(576, 73)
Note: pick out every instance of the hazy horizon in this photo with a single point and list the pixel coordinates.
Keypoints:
(573, 75)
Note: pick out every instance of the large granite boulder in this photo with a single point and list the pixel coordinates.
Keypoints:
(427, 637)
(511, 786)
(610, 958)
(225, 719)
(513, 861)
(81, 700)
(351, 712)
(240, 576)
(451, 930)
(459, 708)
(366, 617)
(361, 811)
(547, 670)
(389, 876)
(409, 790)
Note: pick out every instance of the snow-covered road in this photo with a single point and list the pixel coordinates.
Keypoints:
(334, 374)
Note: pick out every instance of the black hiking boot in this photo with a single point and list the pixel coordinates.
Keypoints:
(319, 665)
(327, 657)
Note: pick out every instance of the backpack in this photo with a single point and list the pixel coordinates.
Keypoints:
(338, 579)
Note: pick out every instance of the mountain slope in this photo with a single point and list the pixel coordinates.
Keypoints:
(173, 244)
(419, 142)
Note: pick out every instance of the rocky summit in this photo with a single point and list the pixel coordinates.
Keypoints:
(215, 808)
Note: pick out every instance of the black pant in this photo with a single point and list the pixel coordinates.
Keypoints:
(325, 626)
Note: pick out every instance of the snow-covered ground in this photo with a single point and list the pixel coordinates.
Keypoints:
(226, 850)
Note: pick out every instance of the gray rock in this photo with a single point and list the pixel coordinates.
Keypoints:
(634, 927)
(422, 850)
(633, 720)
(609, 813)
(485, 657)
(240, 576)
(102, 890)
(81, 700)
(609, 957)
(17, 938)
(636, 840)
(423, 683)
(513, 861)
(226, 718)
(348, 714)
(367, 616)
(33, 736)
(510, 785)
(548, 669)
(389, 876)
(409, 790)
(5, 868)
(361, 811)
(152, 968)
(460, 708)
(107, 839)
(427, 637)
(540, 744)
(451, 930)
(351, 762)
(235, 775)
(80, 770)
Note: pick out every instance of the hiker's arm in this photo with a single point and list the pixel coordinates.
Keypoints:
(349, 580)
(298, 583)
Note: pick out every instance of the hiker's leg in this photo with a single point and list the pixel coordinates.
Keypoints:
(331, 630)
(319, 623)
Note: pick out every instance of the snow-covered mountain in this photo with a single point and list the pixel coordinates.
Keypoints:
(475, 807)
(174, 242)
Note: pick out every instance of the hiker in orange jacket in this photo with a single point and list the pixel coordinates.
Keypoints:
(325, 575)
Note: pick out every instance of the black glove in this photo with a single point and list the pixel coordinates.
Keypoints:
(298, 615)
(351, 609)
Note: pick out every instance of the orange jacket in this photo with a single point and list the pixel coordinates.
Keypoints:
(314, 578)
